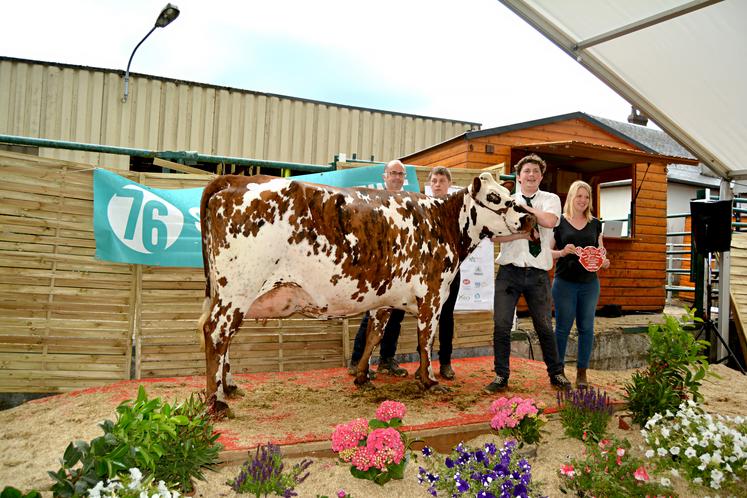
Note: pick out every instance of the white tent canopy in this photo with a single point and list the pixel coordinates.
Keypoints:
(683, 64)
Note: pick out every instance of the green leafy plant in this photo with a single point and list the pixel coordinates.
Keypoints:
(584, 412)
(485, 472)
(676, 369)
(174, 444)
(340, 494)
(608, 470)
(11, 492)
(263, 474)
(168, 443)
(710, 450)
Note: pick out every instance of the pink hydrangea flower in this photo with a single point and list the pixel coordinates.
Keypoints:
(347, 436)
(389, 410)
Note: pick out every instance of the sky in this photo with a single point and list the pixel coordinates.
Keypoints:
(466, 60)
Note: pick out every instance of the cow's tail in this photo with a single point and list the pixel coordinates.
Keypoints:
(211, 189)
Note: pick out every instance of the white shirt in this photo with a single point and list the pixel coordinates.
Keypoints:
(516, 252)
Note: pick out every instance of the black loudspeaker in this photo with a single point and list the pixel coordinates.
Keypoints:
(711, 225)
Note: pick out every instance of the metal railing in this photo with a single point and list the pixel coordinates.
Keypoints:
(679, 251)
(175, 156)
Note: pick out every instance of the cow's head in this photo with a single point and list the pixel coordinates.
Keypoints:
(493, 210)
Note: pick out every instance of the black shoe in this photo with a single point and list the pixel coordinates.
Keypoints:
(447, 372)
(559, 381)
(498, 385)
(389, 366)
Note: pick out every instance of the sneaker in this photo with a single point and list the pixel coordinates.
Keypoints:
(447, 372)
(498, 385)
(389, 366)
(559, 381)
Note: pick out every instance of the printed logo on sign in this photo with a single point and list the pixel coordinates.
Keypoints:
(143, 221)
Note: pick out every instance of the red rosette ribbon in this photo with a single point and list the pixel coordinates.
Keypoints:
(591, 257)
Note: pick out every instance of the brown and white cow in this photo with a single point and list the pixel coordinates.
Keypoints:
(273, 247)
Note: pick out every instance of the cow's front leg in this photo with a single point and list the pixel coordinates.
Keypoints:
(374, 333)
(427, 323)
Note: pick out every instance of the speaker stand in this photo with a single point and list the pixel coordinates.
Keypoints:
(710, 328)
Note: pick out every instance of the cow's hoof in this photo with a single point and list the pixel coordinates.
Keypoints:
(365, 385)
(218, 410)
(234, 391)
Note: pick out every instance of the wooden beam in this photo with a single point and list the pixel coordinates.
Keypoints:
(157, 161)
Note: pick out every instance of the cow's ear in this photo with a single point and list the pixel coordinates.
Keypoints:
(509, 184)
(476, 184)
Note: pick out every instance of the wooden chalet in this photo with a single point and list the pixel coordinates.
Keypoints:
(596, 150)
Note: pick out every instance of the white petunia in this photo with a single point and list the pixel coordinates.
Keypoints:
(649, 453)
(95, 492)
(674, 450)
(135, 474)
(690, 452)
(662, 452)
(665, 482)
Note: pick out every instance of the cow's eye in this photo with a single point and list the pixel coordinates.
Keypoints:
(493, 197)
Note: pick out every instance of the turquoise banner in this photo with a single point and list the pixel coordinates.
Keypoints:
(370, 176)
(136, 224)
(142, 225)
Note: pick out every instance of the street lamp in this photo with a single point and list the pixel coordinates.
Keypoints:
(168, 14)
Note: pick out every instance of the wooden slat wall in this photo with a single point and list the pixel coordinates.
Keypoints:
(738, 284)
(69, 320)
(637, 276)
(66, 316)
(471, 329)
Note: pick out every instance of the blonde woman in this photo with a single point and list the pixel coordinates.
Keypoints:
(575, 288)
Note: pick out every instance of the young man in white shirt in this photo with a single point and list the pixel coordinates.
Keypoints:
(524, 265)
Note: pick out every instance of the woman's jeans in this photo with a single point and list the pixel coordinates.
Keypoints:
(575, 301)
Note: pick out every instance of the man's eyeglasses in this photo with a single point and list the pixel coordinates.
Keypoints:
(396, 173)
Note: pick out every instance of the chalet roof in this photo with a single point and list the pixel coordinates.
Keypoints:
(646, 139)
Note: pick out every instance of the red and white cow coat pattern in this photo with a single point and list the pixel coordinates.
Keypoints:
(273, 247)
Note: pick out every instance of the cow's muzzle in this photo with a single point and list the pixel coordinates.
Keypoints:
(528, 224)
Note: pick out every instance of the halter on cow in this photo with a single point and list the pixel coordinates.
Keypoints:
(273, 247)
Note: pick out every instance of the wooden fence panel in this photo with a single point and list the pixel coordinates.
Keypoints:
(70, 321)
(66, 316)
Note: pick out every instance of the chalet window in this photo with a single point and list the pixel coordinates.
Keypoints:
(614, 207)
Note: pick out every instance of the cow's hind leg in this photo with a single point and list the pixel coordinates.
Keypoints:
(229, 385)
(220, 325)
(374, 333)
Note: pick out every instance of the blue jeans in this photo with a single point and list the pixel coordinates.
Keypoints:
(510, 283)
(388, 346)
(575, 301)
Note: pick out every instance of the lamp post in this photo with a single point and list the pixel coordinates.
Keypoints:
(168, 14)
